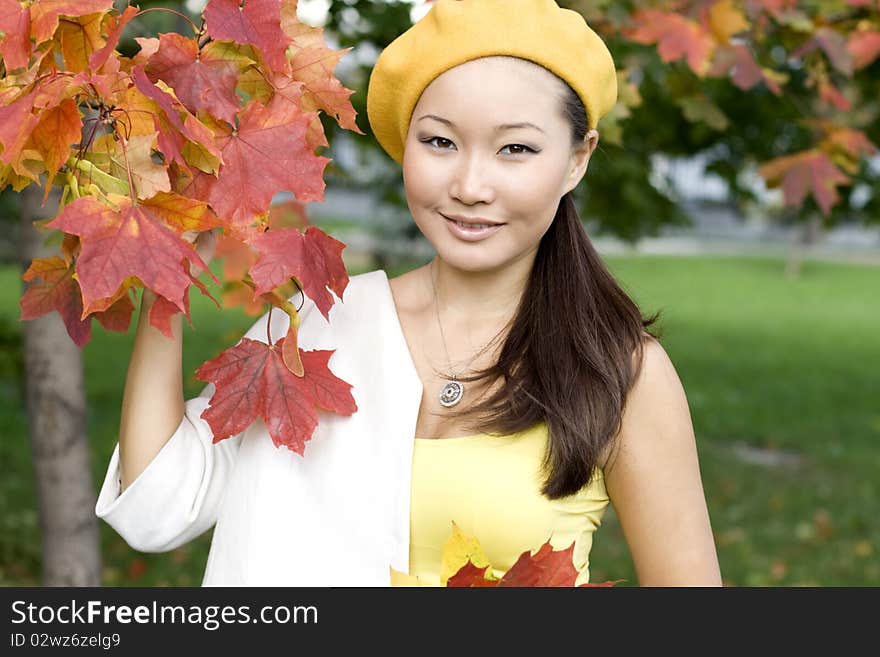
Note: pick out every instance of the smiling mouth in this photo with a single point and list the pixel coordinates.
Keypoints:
(471, 225)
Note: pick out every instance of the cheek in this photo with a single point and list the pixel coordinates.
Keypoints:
(535, 191)
(420, 180)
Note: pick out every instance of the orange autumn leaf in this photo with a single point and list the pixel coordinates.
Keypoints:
(46, 13)
(79, 38)
(57, 129)
(313, 64)
(676, 36)
(15, 27)
(53, 287)
(17, 123)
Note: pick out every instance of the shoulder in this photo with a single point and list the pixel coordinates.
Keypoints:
(655, 407)
(654, 481)
(656, 373)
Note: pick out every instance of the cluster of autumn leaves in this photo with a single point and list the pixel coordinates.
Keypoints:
(463, 563)
(189, 134)
(831, 41)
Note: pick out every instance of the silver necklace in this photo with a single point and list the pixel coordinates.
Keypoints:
(453, 390)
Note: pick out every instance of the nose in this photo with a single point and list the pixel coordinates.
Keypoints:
(470, 181)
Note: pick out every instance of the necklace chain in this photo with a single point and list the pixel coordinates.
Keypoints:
(437, 310)
(453, 390)
(440, 326)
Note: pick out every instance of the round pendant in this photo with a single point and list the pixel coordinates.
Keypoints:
(451, 393)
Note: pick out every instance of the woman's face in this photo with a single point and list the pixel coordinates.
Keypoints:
(460, 160)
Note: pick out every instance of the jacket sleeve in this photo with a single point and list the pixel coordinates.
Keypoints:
(178, 495)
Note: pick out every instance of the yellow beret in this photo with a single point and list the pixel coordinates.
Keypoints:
(457, 31)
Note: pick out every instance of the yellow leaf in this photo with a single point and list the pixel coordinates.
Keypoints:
(726, 19)
(458, 549)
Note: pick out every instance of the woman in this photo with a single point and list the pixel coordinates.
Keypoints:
(508, 385)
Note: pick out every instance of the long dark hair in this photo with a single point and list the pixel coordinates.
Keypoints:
(573, 351)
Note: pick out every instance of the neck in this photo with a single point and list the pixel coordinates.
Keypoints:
(479, 298)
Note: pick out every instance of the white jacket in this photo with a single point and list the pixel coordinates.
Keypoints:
(338, 516)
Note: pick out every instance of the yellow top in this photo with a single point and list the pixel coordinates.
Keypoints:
(490, 486)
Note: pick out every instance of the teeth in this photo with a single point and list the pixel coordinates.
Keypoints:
(464, 225)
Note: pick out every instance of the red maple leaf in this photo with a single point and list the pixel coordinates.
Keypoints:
(141, 240)
(202, 80)
(267, 154)
(810, 171)
(252, 380)
(313, 257)
(547, 567)
(172, 130)
(737, 61)
(15, 28)
(257, 23)
(471, 576)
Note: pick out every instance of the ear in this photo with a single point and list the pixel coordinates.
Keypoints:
(580, 158)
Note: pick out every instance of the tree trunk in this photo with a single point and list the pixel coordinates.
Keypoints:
(809, 236)
(56, 408)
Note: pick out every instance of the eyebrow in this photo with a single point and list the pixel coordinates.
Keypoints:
(498, 128)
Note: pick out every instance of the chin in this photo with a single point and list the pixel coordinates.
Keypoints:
(460, 259)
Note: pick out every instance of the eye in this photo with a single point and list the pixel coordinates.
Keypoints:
(525, 148)
(431, 139)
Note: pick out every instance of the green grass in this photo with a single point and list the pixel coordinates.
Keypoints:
(771, 366)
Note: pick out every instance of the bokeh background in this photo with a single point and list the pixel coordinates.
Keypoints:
(736, 188)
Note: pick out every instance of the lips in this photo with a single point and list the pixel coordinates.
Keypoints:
(471, 220)
(471, 234)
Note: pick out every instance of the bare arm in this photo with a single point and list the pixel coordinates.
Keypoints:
(654, 482)
(152, 403)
